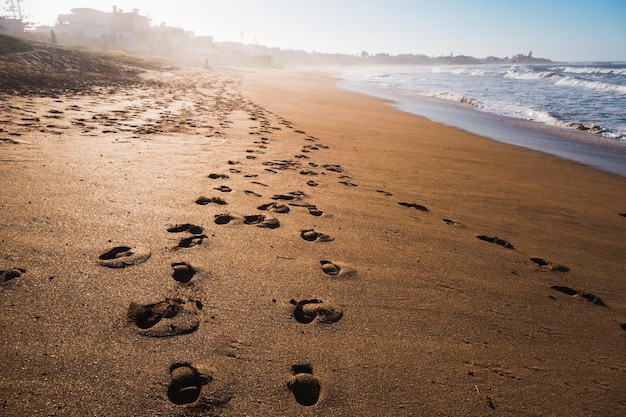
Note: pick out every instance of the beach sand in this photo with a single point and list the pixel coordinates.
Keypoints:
(260, 242)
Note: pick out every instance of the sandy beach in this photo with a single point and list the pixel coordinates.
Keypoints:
(237, 242)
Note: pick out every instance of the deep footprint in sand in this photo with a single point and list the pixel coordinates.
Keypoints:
(170, 317)
(203, 201)
(183, 272)
(306, 311)
(310, 235)
(337, 269)
(10, 274)
(304, 386)
(496, 240)
(549, 266)
(579, 294)
(222, 219)
(187, 383)
(186, 227)
(275, 207)
(190, 242)
(123, 256)
(413, 205)
(262, 221)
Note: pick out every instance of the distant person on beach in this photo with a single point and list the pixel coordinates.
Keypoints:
(53, 37)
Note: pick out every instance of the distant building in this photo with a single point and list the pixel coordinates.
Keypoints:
(11, 27)
(115, 29)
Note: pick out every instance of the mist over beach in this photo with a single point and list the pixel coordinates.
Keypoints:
(312, 208)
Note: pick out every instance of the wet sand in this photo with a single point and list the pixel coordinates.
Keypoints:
(235, 243)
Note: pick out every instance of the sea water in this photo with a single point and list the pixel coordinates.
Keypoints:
(575, 111)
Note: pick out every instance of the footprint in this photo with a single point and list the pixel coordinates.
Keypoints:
(413, 205)
(223, 189)
(388, 194)
(580, 294)
(183, 272)
(170, 317)
(311, 235)
(123, 256)
(11, 273)
(304, 386)
(276, 208)
(203, 201)
(260, 220)
(223, 218)
(312, 183)
(186, 227)
(348, 183)
(308, 310)
(252, 193)
(187, 383)
(549, 266)
(623, 214)
(496, 240)
(218, 176)
(337, 269)
(451, 222)
(192, 241)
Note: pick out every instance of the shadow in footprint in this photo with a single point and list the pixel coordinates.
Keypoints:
(310, 309)
(186, 227)
(496, 240)
(222, 219)
(218, 176)
(203, 201)
(549, 266)
(336, 269)
(183, 272)
(188, 383)
(304, 386)
(580, 294)
(190, 242)
(310, 235)
(276, 208)
(413, 205)
(260, 220)
(167, 318)
(123, 256)
(10, 274)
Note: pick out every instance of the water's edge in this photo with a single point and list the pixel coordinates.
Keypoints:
(583, 147)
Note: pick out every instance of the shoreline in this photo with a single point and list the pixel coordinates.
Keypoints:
(589, 149)
(293, 248)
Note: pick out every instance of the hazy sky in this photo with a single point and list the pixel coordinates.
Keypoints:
(565, 30)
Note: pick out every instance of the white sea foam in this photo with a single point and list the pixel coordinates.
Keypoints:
(591, 85)
(591, 70)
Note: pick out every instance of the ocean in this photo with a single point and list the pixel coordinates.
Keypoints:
(575, 111)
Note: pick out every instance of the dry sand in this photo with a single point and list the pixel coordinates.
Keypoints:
(262, 243)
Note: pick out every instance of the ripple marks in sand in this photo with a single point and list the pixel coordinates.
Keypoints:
(496, 240)
(310, 235)
(123, 256)
(304, 386)
(170, 317)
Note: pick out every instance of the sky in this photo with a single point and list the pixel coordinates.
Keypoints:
(562, 30)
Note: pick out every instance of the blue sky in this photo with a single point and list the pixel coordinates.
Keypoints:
(574, 30)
